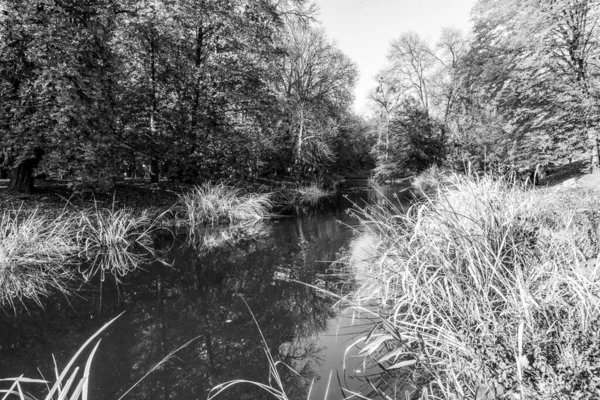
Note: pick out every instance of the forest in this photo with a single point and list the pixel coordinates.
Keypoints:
(96, 91)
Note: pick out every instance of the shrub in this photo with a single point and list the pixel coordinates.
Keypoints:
(34, 255)
(481, 293)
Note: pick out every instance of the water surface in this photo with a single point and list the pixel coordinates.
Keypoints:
(203, 295)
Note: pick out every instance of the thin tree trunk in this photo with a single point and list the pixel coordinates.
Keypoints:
(153, 170)
(593, 144)
(300, 135)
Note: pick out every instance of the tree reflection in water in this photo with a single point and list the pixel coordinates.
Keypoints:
(200, 295)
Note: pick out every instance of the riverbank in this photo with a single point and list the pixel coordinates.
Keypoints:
(56, 236)
(488, 289)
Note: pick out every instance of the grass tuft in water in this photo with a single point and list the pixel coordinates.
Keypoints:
(311, 194)
(219, 203)
(481, 293)
(34, 255)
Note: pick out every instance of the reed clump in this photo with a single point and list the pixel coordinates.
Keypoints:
(218, 203)
(35, 251)
(114, 241)
(311, 194)
(481, 295)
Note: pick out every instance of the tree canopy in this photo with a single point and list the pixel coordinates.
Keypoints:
(189, 90)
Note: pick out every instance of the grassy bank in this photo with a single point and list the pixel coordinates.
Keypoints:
(483, 290)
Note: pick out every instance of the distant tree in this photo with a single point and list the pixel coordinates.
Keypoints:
(315, 86)
(416, 142)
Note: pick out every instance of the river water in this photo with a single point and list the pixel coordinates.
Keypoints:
(203, 295)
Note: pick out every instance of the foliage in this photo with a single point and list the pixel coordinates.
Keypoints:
(528, 79)
(187, 90)
(416, 139)
(35, 252)
(482, 290)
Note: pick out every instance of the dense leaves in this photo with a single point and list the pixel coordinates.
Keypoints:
(191, 90)
(521, 90)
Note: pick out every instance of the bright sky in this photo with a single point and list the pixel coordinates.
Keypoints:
(363, 29)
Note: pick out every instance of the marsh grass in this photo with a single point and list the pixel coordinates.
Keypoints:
(35, 253)
(481, 294)
(275, 387)
(311, 194)
(219, 203)
(429, 181)
(71, 383)
(115, 241)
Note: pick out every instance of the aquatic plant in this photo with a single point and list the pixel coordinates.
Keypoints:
(311, 194)
(481, 294)
(218, 203)
(34, 255)
(275, 389)
(117, 241)
(69, 383)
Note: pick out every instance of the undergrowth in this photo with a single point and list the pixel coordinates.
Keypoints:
(481, 293)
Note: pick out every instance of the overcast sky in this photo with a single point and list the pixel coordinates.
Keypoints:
(363, 29)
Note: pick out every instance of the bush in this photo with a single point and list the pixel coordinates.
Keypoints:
(481, 293)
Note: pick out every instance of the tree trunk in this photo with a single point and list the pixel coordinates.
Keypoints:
(153, 170)
(593, 144)
(21, 176)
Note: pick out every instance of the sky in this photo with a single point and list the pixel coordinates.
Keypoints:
(363, 30)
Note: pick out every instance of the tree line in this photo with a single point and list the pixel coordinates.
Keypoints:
(193, 89)
(520, 89)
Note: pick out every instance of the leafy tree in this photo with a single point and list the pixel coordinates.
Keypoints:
(534, 62)
(314, 86)
(56, 73)
(415, 138)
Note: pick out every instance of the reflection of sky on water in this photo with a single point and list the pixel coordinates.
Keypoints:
(201, 295)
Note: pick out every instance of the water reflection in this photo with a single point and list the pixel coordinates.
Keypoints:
(201, 294)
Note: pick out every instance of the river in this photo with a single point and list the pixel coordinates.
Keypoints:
(203, 294)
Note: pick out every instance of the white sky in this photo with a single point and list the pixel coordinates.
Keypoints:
(363, 29)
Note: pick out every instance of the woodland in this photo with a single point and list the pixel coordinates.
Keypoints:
(98, 90)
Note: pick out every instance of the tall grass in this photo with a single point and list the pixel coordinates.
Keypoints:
(114, 241)
(311, 194)
(34, 255)
(481, 293)
(219, 203)
(71, 383)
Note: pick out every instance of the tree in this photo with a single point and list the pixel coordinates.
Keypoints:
(534, 62)
(315, 87)
(56, 79)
